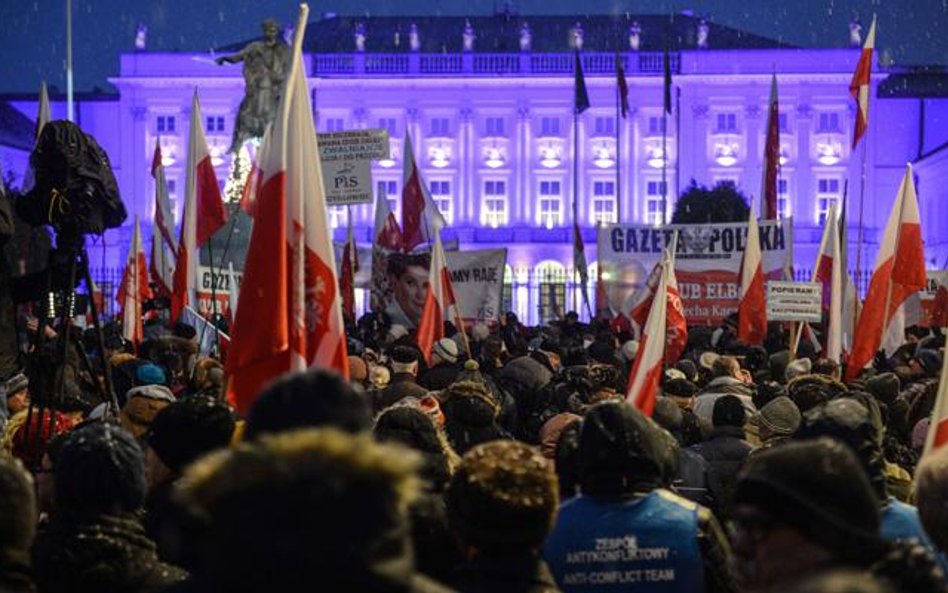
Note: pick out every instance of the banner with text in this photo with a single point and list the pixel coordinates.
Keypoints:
(219, 289)
(707, 262)
(347, 164)
(794, 301)
(935, 299)
(399, 282)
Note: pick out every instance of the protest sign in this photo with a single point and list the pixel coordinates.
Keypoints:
(794, 301)
(346, 159)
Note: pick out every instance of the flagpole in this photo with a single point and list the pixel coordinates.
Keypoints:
(664, 166)
(618, 147)
(69, 102)
(862, 196)
(677, 141)
(575, 192)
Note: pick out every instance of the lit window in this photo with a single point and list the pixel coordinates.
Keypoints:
(494, 202)
(827, 193)
(656, 125)
(337, 216)
(550, 205)
(605, 126)
(494, 126)
(828, 123)
(549, 126)
(214, 124)
(783, 198)
(783, 123)
(727, 122)
(441, 194)
(440, 127)
(388, 123)
(165, 123)
(389, 190)
(604, 202)
(654, 197)
(334, 124)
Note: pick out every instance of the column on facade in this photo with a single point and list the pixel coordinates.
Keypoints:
(467, 166)
(518, 196)
(804, 189)
(363, 213)
(628, 173)
(699, 145)
(140, 164)
(753, 156)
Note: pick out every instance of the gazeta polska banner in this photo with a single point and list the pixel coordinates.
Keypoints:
(707, 262)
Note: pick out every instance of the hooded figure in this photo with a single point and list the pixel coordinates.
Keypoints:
(624, 510)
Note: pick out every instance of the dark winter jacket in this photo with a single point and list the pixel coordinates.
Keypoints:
(507, 573)
(725, 450)
(107, 553)
(696, 481)
(523, 377)
(15, 573)
(439, 376)
(402, 385)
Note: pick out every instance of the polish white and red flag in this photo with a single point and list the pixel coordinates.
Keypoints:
(421, 219)
(438, 298)
(134, 290)
(646, 374)
(203, 214)
(938, 428)
(850, 301)
(676, 326)
(768, 194)
(290, 308)
(248, 195)
(386, 232)
(899, 273)
(828, 272)
(752, 310)
(350, 267)
(161, 267)
(859, 86)
(164, 215)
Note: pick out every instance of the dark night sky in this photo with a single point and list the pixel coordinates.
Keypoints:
(33, 31)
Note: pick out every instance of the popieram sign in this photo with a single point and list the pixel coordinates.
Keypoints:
(346, 159)
(794, 301)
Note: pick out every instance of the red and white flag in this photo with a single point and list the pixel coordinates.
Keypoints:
(164, 215)
(386, 232)
(859, 86)
(421, 219)
(828, 271)
(646, 374)
(899, 273)
(350, 265)
(134, 290)
(768, 192)
(940, 305)
(850, 302)
(248, 195)
(752, 310)
(676, 325)
(938, 429)
(290, 309)
(162, 265)
(203, 214)
(438, 297)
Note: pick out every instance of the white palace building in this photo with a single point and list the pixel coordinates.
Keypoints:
(488, 102)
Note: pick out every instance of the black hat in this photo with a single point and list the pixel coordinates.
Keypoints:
(818, 488)
(189, 428)
(412, 427)
(688, 367)
(404, 355)
(309, 399)
(503, 495)
(728, 411)
(100, 469)
(679, 388)
(618, 445)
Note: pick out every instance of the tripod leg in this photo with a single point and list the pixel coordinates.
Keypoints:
(106, 365)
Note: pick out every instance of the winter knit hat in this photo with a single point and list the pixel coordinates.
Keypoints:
(149, 374)
(885, 386)
(680, 388)
(830, 502)
(688, 368)
(189, 428)
(446, 349)
(410, 426)
(504, 495)
(800, 366)
(728, 411)
(616, 443)
(780, 416)
(16, 384)
(141, 406)
(100, 469)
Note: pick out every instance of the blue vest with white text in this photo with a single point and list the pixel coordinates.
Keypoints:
(900, 521)
(648, 545)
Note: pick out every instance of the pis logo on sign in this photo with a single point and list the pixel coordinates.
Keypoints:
(344, 178)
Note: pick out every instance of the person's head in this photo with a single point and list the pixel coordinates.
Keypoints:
(312, 398)
(620, 451)
(728, 411)
(931, 495)
(404, 360)
(278, 510)
(407, 424)
(799, 509)
(184, 431)
(502, 498)
(779, 417)
(271, 30)
(444, 351)
(142, 404)
(726, 366)
(100, 470)
(408, 275)
(17, 389)
(17, 507)
(358, 370)
(827, 367)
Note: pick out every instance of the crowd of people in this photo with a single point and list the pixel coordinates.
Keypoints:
(506, 461)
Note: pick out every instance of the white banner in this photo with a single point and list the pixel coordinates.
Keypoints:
(347, 164)
(794, 301)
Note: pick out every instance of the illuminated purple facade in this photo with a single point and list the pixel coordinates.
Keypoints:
(490, 113)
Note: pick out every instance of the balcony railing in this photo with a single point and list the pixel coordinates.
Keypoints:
(485, 64)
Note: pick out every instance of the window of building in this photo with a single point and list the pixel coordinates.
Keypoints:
(656, 125)
(494, 203)
(214, 124)
(441, 194)
(783, 198)
(389, 190)
(440, 126)
(551, 278)
(827, 193)
(494, 126)
(550, 204)
(726, 122)
(334, 124)
(783, 123)
(337, 216)
(388, 123)
(828, 123)
(605, 126)
(604, 202)
(506, 296)
(165, 123)
(654, 196)
(549, 126)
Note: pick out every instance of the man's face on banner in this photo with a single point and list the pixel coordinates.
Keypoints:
(410, 288)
